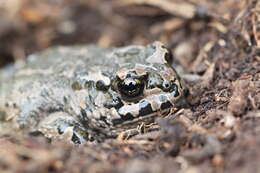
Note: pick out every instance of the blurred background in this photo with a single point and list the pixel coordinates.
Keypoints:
(28, 26)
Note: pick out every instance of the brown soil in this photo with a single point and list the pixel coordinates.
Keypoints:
(217, 44)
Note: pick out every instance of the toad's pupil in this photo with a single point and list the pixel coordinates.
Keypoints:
(166, 85)
(130, 85)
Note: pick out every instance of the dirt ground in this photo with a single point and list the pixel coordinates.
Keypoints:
(217, 47)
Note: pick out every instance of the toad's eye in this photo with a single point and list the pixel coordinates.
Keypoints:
(131, 87)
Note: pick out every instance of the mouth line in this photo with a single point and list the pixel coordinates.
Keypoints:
(146, 118)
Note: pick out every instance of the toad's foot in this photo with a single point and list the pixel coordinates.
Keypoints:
(60, 125)
(140, 129)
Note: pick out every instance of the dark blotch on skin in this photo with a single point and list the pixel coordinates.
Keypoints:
(107, 74)
(84, 117)
(89, 84)
(166, 105)
(75, 139)
(104, 119)
(123, 118)
(154, 81)
(100, 85)
(117, 121)
(175, 91)
(127, 117)
(76, 86)
(60, 131)
(115, 102)
(168, 56)
(145, 108)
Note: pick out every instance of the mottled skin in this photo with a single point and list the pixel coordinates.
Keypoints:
(90, 93)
